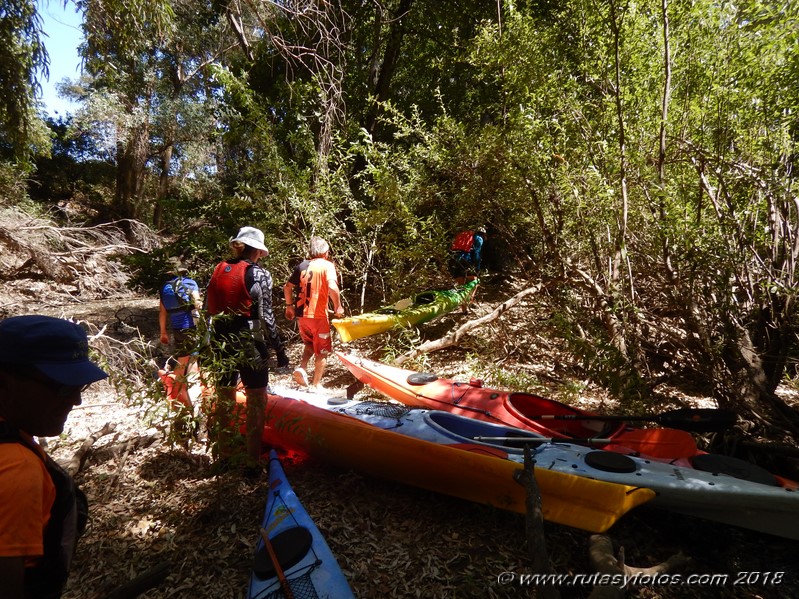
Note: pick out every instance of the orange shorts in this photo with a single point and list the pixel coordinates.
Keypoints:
(315, 332)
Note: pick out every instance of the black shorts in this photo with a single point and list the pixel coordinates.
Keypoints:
(185, 342)
(238, 353)
(459, 266)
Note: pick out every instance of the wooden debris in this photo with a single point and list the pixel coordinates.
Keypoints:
(455, 337)
(75, 464)
(536, 541)
(143, 582)
(603, 561)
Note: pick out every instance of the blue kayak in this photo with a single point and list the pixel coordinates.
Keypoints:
(306, 563)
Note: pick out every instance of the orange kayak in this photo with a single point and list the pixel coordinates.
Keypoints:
(465, 472)
(519, 410)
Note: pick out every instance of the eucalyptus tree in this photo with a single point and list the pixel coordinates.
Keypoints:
(149, 80)
(23, 61)
(120, 52)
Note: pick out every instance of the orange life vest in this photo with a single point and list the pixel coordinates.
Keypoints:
(315, 281)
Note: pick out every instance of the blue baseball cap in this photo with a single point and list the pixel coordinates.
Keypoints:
(58, 348)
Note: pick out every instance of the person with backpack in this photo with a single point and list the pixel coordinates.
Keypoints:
(44, 368)
(239, 300)
(466, 257)
(179, 300)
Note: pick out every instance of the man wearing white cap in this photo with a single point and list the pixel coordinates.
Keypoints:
(44, 368)
(239, 295)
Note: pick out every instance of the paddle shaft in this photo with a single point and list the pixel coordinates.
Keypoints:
(689, 419)
(587, 440)
(284, 583)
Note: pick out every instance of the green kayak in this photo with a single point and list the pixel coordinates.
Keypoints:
(407, 312)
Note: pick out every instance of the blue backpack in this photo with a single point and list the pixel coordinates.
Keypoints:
(176, 297)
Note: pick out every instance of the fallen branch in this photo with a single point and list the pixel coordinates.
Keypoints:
(120, 465)
(133, 444)
(455, 337)
(78, 459)
(603, 561)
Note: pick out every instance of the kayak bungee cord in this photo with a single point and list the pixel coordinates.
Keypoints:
(278, 508)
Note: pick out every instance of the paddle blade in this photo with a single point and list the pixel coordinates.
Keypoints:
(698, 420)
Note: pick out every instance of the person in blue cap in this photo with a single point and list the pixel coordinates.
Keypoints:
(44, 368)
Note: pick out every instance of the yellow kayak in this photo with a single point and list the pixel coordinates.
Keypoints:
(405, 313)
(465, 471)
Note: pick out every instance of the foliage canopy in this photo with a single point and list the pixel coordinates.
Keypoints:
(636, 156)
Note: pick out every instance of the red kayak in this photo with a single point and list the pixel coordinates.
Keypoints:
(522, 410)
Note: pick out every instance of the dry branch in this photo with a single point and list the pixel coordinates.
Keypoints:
(128, 362)
(603, 561)
(141, 583)
(120, 466)
(454, 338)
(135, 443)
(75, 463)
(83, 257)
(36, 255)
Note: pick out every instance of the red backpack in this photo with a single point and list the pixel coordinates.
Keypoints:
(463, 242)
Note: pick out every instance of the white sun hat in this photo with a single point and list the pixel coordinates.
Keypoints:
(252, 237)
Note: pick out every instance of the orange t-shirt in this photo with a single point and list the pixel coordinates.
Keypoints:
(315, 283)
(27, 495)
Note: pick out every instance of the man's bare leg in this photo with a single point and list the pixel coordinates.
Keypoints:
(320, 361)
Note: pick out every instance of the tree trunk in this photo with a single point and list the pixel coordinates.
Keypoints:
(163, 184)
(131, 160)
(380, 79)
(382, 83)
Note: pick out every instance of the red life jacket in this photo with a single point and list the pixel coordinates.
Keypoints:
(463, 242)
(227, 292)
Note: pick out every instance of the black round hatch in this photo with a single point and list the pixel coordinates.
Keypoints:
(422, 378)
(610, 461)
(290, 547)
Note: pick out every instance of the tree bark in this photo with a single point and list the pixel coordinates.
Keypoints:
(131, 161)
(534, 525)
(382, 83)
(76, 462)
(163, 183)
